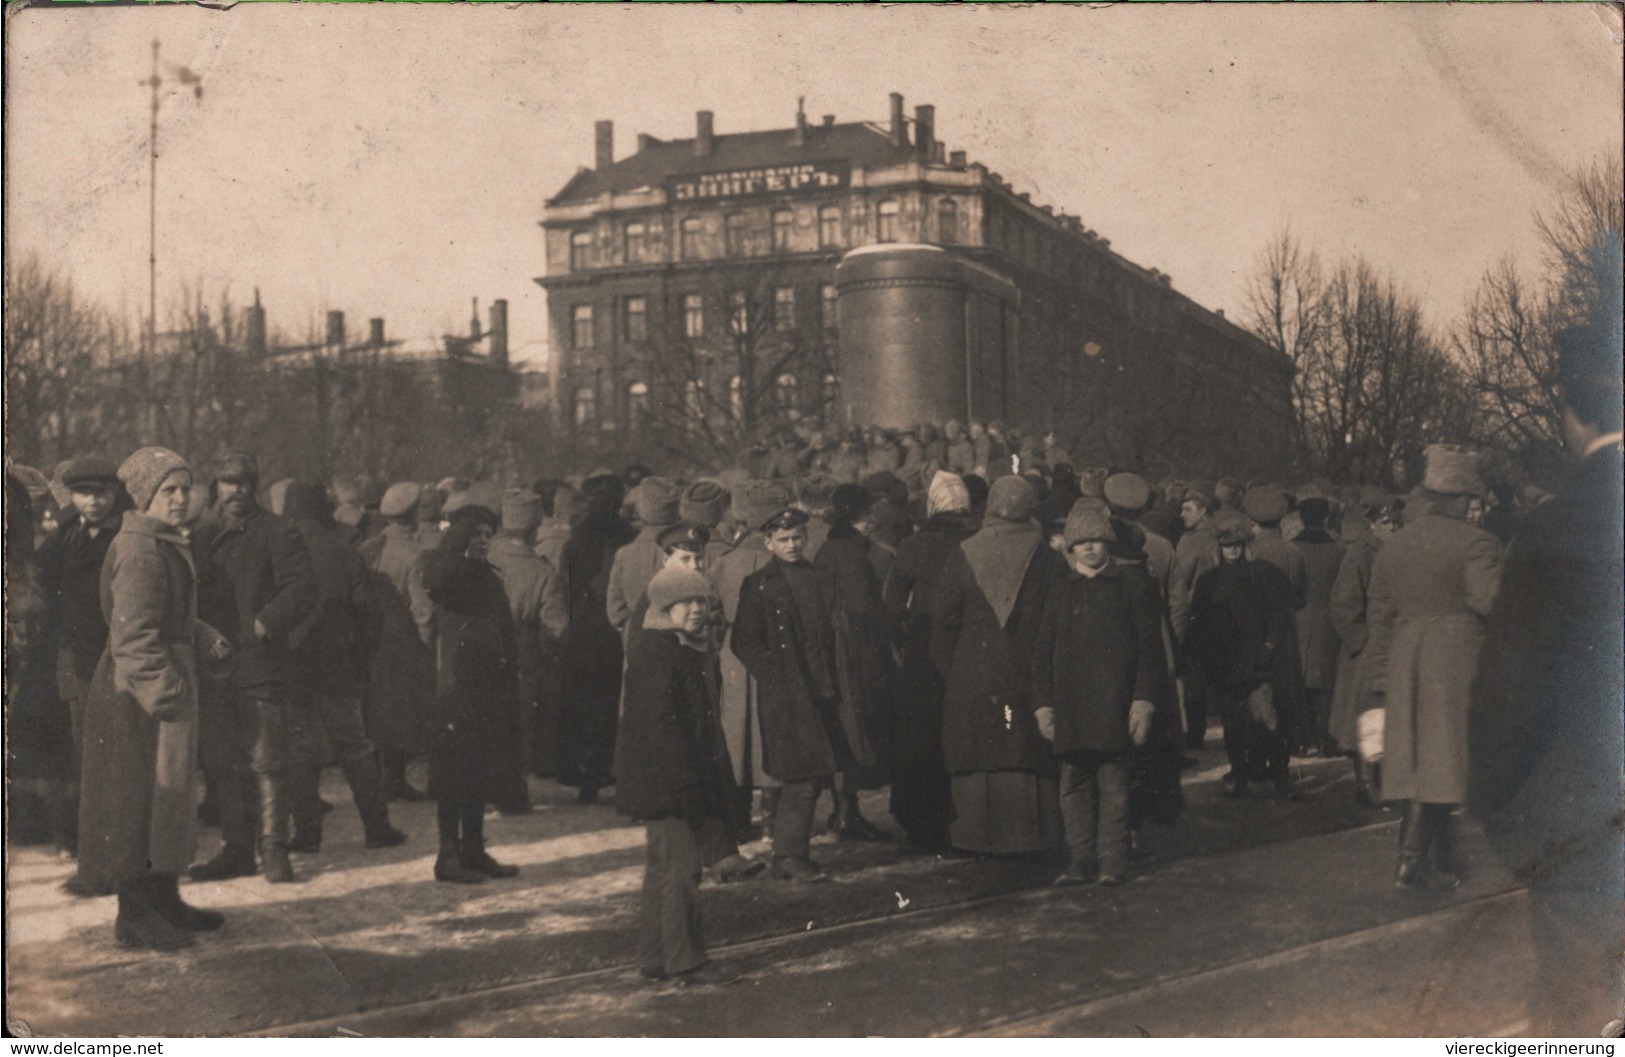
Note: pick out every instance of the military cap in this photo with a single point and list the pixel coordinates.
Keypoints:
(787, 518)
(685, 535)
(1010, 498)
(1266, 504)
(521, 510)
(237, 465)
(1087, 523)
(400, 499)
(93, 470)
(1128, 492)
(1451, 470)
(1231, 527)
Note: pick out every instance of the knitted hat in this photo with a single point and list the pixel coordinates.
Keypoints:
(144, 472)
(947, 493)
(1232, 526)
(521, 510)
(1128, 492)
(1011, 498)
(89, 470)
(851, 502)
(1266, 504)
(703, 503)
(1086, 523)
(306, 500)
(674, 584)
(237, 465)
(400, 499)
(755, 501)
(658, 501)
(1451, 470)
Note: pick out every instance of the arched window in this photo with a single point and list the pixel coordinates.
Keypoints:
(688, 239)
(829, 227)
(580, 249)
(637, 406)
(784, 223)
(586, 407)
(947, 221)
(734, 235)
(886, 221)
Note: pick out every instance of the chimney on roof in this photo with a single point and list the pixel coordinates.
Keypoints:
(499, 332)
(604, 157)
(704, 136)
(801, 121)
(829, 120)
(645, 141)
(899, 126)
(256, 326)
(335, 329)
(925, 129)
(375, 333)
(474, 322)
(957, 159)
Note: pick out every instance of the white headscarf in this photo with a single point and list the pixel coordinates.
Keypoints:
(946, 494)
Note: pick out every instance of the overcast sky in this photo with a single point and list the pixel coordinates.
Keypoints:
(392, 160)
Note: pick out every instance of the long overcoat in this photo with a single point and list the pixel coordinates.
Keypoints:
(474, 744)
(987, 717)
(864, 626)
(1433, 584)
(332, 648)
(800, 727)
(1317, 635)
(1347, 608)
(400, 675)
(741, 719)
(268, 566)
(670, 750)
(1099, 649)
(139, 814)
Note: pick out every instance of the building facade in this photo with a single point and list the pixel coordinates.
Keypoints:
(693, 285)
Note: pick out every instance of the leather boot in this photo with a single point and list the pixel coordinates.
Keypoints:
(1416, 838)
(139, 925)
(770, 809)
(231, 861)
(393, 771)
(1448, 862)
(164, 889)
(448, 865)
(274, 863)
(305, 804)
(848, 822)
(367, 786)
(472, 853)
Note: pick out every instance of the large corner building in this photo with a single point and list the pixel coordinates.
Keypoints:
(860, 273)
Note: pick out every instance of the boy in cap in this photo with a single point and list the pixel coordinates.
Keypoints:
(672, 772)
(1098, 669)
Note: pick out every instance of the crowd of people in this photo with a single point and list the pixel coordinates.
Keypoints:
(1025, 654)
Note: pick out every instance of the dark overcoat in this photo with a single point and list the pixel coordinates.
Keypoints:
(1317, 636)
(70, 569)
(1433, 584)
(474, 744)
(400, 672)
(1546, 735)
(1241, 632)
(331, 649)
(741, 715)
(266, 563)
(987, 719)
(1099, 649)
(669, 752)
(1347, 608)
(862, 622)
(802, 730)
(139, 813)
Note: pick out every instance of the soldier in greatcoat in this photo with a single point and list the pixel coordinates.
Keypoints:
(525, 578)
(1317, 636)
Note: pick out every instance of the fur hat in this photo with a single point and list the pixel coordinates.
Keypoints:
(657, 500)
(235, 465)
(521, 510)
(401, 499)
(1011, 498)
(1232, 526)
(1086, 522)
(755, 500)
(1451, 470)
(703, 503)
(947, 493)
(145, 470)
(1267, 504)
(674, 584)
(1128, 492)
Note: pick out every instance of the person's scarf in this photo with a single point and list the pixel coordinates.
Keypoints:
(998, 557)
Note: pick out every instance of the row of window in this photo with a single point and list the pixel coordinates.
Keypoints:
(634, 315)
(635, 245)
(786, 396)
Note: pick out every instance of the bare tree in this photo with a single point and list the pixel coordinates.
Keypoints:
(1285, 305)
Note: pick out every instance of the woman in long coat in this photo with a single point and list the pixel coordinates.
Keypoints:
(138, 814)
(985, 615)
(921, 795)
(1431, 588)
(475, 755)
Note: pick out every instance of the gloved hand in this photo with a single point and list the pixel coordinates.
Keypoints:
(1139, 721)
(1046, 723)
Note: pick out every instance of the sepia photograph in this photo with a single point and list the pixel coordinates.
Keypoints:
(614, 521)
